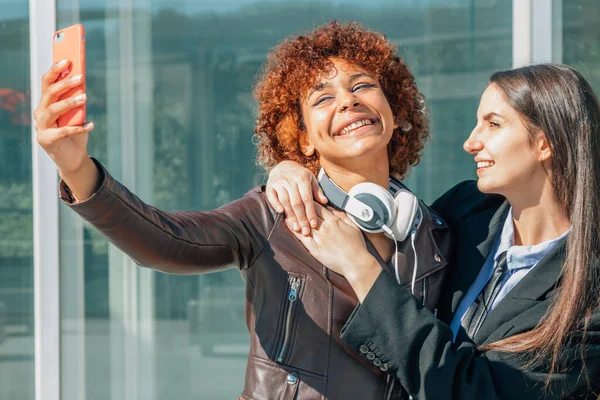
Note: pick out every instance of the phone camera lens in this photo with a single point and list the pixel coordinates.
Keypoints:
(59, 37)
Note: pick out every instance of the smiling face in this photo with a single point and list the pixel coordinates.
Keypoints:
(508, 161)
(347, 116)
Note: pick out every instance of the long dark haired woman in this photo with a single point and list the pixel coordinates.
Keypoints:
(520, 317)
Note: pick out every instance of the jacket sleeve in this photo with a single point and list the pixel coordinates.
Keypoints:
(177, 242)
(417, 348)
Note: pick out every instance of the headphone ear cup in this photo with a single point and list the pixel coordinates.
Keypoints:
(407, 205)
(380, 200)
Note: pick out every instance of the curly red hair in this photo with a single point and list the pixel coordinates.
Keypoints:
(294, 65)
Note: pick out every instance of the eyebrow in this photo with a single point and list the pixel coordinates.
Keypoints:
(323, 85)
(491, 115)
(318, 86)
(360, 75)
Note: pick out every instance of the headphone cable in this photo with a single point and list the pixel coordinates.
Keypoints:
(396, 270)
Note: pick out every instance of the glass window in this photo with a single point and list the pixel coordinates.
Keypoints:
(170, 92)
(581, 39)
(16, 207)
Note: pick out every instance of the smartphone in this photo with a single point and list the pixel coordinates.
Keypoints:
(69, 43)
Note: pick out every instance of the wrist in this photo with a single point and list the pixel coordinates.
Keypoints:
(82, 181)
(82, 169)
(363, 279)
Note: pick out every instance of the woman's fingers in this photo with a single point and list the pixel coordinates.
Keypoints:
(273, 199)
(53, 91)
(54, 135)
(298, 204)
(317, 191)
(308, 207)
(53, 73)
(342, 216)
(47, 118)
(284, 200)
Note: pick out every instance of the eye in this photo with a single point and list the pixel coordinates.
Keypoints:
(494, 124)
(321, 100)
(361, 86)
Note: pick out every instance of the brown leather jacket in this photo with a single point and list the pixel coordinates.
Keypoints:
(295, 307)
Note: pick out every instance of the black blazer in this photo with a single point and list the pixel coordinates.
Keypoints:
(391, 328)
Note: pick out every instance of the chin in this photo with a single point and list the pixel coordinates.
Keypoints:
(487, 187)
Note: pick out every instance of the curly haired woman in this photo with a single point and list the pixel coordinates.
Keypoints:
(338, 98)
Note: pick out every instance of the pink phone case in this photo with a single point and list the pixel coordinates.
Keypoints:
(69, 43)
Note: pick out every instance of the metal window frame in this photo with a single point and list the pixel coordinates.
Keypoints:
(42, 24)
(538, 25)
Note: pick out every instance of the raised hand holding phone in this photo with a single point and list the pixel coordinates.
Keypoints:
(60, 116)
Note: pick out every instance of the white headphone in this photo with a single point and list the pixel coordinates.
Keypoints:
(374, 210)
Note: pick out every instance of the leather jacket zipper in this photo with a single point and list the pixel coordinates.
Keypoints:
(390, 392)
(292, 297)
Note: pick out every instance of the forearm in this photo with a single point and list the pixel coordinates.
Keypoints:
(84, 182)
(417, 348)
(183, 242)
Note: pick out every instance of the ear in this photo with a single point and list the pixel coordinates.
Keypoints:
(543, 147)
(305, 144)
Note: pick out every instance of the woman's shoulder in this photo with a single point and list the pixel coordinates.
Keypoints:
(464, 199)
(254, 208)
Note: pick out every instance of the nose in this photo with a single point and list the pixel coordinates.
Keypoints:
(473, 144)
(349, 101)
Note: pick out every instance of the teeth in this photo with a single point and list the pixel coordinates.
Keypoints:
(484, 164)
(355, 125)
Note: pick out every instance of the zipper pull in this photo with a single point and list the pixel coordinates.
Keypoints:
(294, 289)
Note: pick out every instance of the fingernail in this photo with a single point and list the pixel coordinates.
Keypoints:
(279, 209)
(77, 78)
(295, 226)
(79, 98)
(88, 125)
(305, 230)
(313, 223)
(61, 62)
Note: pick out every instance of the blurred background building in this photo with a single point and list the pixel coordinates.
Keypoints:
(169, 88)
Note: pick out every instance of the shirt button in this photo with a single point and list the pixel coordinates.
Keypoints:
(363, 349)
(384, 367)
(437, 258)
(370, 356)
(377, 362)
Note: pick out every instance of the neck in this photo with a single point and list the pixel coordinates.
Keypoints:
(537, 216)
(347, 176)
(358, 171)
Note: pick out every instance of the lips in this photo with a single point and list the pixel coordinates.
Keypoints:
(354, 125)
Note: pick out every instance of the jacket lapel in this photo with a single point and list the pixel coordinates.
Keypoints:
(529, 291)
(481, 230)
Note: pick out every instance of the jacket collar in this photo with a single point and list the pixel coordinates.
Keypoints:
(482, 225)
(530, 290)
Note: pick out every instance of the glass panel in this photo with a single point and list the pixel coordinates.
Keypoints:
(169, 84)
(581, 38)
(16, 212)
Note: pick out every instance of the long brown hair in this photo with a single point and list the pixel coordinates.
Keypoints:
(558, 101)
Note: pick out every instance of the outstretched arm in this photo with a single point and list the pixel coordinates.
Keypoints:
(170, 242)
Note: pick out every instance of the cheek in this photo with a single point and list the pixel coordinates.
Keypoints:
(318, 120)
